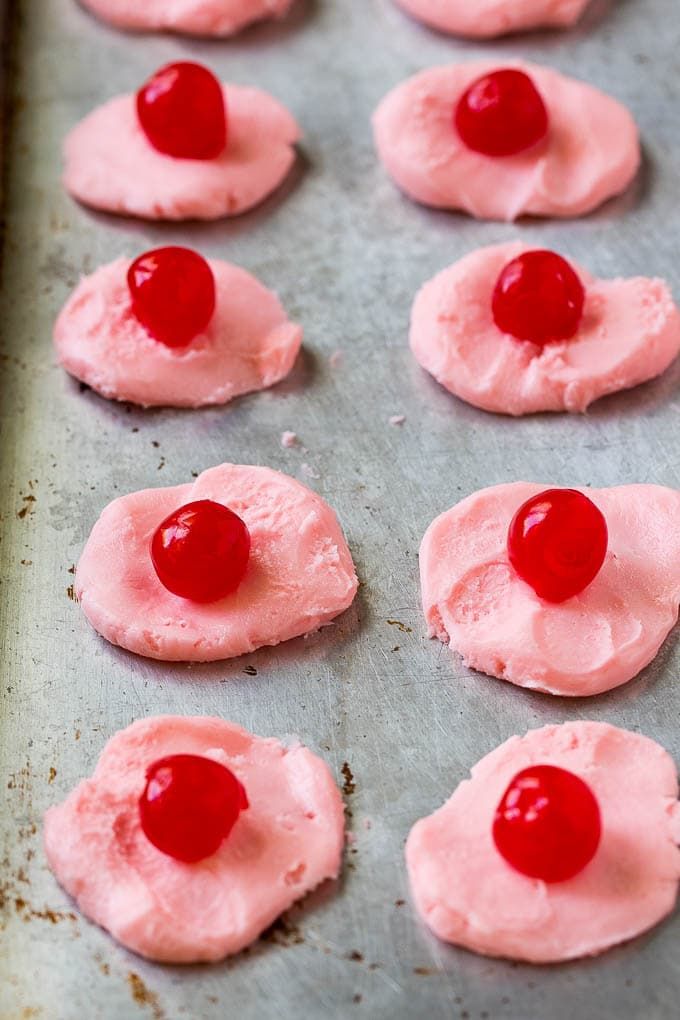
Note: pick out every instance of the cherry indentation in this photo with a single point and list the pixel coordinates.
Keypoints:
(200, 552)
(547, 824)
(189, 806)
(182, 112)
(173, 294)
(557, 543)
(501, 114)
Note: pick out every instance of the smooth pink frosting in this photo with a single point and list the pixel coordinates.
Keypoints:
(288, 841)
(110, 164)
(467, 893)
(630, 332)
(300, 573)
(248, 345)
(591, 151)
(195, 17)
(487, 18)
(474, 600)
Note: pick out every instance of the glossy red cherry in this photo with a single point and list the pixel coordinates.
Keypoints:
(190, 805)
(173, 294)
(557, 542)
(547, 824)
(538, 297)
(501, 114)
(182, 112)
(200, 552)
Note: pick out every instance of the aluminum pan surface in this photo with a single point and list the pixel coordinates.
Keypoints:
(346, 253)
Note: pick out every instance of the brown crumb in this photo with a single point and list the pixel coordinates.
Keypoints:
(53, 774)
(356, 956)
(424, 971)
(250, 670)
(143, 996)
(71, 592)
(348, 786)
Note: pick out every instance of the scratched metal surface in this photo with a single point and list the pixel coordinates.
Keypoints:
(346, 253)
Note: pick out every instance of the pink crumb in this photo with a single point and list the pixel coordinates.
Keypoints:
(397, 419)
(335, 359)
(289, 439)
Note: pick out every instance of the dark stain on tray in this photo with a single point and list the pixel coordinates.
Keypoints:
(27, 508)
(28, 913)
(349, 785)
(143, 996)
(401, 626)
(250, 670)
(283, 932)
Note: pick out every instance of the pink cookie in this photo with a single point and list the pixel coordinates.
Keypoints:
(488, 18)
(193, 17)
(111, 165)
(630, 332)
(591, 151)
(474, 601)
(249, 344)
(467, 893)
(288, 841)
(299, 577)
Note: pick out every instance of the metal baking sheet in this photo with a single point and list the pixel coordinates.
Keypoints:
(346, 252)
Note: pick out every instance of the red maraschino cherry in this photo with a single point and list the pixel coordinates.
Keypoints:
(547, 824)
(501, 114)
(173, 294)
(189, 806)
(200, 552)
(557, 542)
(538, 297)
(182, 112)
